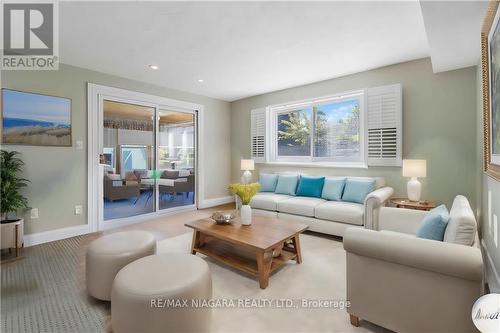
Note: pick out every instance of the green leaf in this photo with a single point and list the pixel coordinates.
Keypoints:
(11, 183)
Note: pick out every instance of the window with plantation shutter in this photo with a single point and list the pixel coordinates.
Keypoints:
(258, 134)
(384, 109)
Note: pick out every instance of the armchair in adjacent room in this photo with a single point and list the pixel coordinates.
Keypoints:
(116, 189)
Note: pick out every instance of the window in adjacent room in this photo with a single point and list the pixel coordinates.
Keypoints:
(134, 157)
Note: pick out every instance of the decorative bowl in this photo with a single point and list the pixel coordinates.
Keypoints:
(223, 217)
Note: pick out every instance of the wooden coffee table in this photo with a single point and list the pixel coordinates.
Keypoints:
(258, 249)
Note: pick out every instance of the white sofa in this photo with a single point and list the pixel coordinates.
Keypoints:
(410, 284)
(329, 217)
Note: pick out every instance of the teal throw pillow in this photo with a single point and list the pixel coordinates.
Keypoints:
(434, 224)
(356, 190)
(287, 184)
(268, 182)
(310, 186)
(333, 189)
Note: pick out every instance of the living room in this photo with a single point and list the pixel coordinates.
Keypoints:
(297, 149)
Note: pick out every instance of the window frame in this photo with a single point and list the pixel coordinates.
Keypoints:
(132, 147)
(272, 131)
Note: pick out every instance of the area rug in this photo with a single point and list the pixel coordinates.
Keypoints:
(321, 276)
(45, 291)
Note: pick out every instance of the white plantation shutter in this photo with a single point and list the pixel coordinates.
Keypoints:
(258, 135)
(384, 134)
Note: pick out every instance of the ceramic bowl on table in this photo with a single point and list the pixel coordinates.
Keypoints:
(223, 217)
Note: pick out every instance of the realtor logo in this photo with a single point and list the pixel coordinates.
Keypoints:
(30, 38)
(486, 313)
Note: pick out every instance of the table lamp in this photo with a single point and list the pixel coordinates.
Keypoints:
(414, 169)
(247, 166)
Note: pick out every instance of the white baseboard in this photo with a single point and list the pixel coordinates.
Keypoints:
(57, 234)
(492, 277)
(207, 203)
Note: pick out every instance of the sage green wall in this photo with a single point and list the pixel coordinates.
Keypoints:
(490, 199)
(58, 175)
(439, 116)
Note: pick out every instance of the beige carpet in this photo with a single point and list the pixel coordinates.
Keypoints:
(45, 291)
(320, 276)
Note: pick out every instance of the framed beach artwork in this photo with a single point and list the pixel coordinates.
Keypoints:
(490, 60)
(35, 119)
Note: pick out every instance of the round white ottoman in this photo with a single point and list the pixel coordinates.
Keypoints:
(110, 253)
(156, 294)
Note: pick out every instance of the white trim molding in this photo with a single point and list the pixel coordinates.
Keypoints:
(207, 203)
(57, 234)
(77, 230)
(350, 165)
(491, 274)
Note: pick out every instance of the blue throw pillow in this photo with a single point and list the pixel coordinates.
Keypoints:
(356, 190)
(268, 182)
(287, 184)
(333, 188)
(310, 186)
(434, 224)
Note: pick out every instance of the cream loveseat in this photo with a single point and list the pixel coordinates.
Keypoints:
(325, 216)
(409, 284)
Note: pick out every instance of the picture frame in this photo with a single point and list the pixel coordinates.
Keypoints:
(34, 119)
(490, 43)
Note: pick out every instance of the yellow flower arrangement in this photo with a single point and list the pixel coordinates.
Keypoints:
(244, 191)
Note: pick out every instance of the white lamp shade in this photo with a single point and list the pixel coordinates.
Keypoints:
(414, 168)
(247, 165)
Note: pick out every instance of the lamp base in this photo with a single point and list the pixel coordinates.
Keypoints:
(246, 178)
(414, 189)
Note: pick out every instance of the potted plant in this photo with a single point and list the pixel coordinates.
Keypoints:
(11, 184)
(11, 198)
(245, 192)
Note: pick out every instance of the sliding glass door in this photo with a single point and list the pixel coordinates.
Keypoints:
(148, 159)
(129, 159)
(176, 159)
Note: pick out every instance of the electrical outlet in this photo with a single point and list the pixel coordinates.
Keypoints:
(495, 229)
(78, 210)
(34, 213)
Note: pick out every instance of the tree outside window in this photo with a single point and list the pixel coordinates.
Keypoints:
(335, 127)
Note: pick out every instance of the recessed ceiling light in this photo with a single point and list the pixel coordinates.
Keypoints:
(200, 80)
(153, 66)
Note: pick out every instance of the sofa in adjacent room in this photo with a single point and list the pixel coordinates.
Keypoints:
(116, 189)
(327, 204)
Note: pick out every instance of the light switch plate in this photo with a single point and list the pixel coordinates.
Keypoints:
(79, 144)
(34, 213)
(78, 210)
(495, 229)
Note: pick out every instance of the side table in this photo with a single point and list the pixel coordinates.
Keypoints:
(418, 205)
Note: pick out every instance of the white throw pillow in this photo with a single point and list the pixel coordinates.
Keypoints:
(117, 183)
(114, 176)
(183, 173)
(462, 226)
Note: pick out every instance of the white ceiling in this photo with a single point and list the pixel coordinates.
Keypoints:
(453, 31)
(242, 49)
